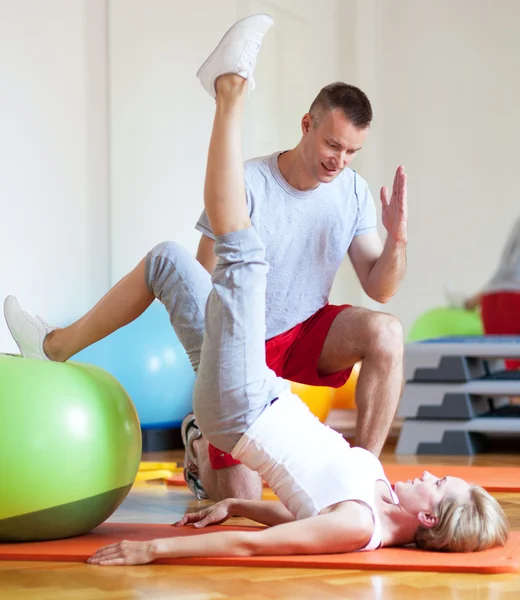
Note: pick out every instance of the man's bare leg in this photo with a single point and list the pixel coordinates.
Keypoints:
(127, 300)
(376, 339)
(232, 482)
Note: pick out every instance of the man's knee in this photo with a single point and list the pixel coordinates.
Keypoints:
(385, 336)
(232, 478)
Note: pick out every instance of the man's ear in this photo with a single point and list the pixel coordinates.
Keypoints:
(306, 123)
(428, 520)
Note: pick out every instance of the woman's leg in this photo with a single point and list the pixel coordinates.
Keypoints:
(168, 273)
(182, 285)
(128, 299)
(224, 188)
(234, 384)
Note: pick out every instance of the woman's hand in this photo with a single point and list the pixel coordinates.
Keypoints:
(213, 515)
(124, 553)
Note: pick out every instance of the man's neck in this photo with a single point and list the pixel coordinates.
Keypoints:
(291, 167)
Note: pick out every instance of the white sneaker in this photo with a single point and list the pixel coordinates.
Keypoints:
(236, 52)
(191, 432)
(28, 332)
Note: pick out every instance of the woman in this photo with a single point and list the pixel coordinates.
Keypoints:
(333, 498)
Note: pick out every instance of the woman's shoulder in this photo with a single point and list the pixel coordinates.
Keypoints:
(356, 515)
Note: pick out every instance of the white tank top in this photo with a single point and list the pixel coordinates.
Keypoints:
(308, 465)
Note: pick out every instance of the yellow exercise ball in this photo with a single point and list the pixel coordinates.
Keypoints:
(345, 396)
(317, 398)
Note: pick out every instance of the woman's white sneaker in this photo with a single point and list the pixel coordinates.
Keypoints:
(28, 332)
(236, 52)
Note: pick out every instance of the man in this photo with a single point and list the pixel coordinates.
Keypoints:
(310, 209)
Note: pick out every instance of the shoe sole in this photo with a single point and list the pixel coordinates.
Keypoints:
(14, 338)
(197, 490)
(184, 428)
(10, 330)
(223, 38)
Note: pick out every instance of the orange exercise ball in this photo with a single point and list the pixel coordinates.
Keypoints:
(345, 396)
(317, 398)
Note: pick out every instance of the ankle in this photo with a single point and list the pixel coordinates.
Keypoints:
(52, 348)
(230, 85)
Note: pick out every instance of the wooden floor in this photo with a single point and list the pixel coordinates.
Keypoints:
(156, 503)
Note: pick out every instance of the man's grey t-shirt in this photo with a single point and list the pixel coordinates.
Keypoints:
(306, 235)
(507, 276)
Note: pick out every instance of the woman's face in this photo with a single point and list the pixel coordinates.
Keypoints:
(421, 496)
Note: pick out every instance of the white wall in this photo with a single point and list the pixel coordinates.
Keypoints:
(443, 78)
(443, 81)
(299, 56)
(161, 117)
(160, 121)
(53, 167)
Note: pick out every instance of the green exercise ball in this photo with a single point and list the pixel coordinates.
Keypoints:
(70, 447)
(445, 322)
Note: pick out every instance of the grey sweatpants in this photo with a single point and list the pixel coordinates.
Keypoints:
(220, 321)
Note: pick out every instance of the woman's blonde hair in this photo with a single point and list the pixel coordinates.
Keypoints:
(475, 524)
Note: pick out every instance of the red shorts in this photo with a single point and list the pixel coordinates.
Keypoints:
(500, 313)
(294, 355)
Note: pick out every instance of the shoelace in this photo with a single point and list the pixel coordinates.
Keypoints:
(248, 61)
(37, 321)
(44, 324)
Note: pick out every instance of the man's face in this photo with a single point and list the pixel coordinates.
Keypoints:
(331, 145)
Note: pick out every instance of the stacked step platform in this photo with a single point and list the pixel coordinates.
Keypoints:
(457, 395)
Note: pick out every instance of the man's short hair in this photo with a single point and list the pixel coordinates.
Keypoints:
(350, 99)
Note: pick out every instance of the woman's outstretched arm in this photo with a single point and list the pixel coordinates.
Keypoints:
(345, 530)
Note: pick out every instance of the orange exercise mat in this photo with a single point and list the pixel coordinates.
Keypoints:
(498, 560)
(493, 479)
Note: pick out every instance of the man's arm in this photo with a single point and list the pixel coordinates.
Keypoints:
(205, 254)
(379, 268)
